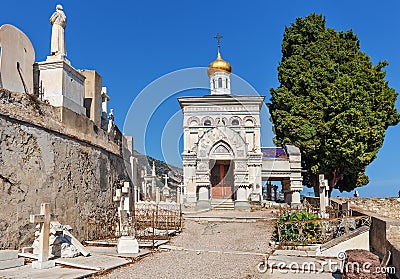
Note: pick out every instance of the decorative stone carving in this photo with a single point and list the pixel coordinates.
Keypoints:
(240, 165)
(202, 166)
(221, 149)
(191, 120)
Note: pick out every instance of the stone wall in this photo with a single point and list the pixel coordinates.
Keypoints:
(384, 233)
(384, 236)
(389, 207)
(42, 160)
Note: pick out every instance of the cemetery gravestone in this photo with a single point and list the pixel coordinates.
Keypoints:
(43, 219)
(17, 56)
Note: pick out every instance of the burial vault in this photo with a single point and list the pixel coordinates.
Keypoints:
(223, 161)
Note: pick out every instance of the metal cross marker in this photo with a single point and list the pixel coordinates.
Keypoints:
(44, 219)
(218, 37)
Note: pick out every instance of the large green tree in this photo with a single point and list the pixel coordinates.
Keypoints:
(332, 103)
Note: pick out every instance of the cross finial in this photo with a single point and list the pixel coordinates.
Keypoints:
(218, 37)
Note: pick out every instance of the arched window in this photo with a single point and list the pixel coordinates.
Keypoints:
(226, 83)
(249, 122)
(213, 83)
(207, 122)
(235, 122)
(220, 83)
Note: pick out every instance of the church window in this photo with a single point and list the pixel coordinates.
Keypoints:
(193, 123)
(226, 83)
(214, 84)
(221, 149)
(235, 122)
(220, 83)
(207, 122)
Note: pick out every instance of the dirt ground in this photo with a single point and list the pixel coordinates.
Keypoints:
(210, 250)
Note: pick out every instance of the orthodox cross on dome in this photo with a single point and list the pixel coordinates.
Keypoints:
(218, 37)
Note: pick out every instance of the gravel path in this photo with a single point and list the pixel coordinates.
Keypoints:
(220, 244)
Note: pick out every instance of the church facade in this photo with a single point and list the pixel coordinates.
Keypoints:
(222, 156)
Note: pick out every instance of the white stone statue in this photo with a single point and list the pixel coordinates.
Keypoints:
(59, 22)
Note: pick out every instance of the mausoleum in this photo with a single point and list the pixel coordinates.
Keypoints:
(223, 162)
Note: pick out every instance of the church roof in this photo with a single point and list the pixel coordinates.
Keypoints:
(227, 99)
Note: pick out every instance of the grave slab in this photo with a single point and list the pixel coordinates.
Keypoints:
(96, 262)
(11, 263)
(8, 255)
(27, 272)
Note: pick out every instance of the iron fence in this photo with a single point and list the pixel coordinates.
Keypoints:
(156, 221)
(312, 206)
(318, 231)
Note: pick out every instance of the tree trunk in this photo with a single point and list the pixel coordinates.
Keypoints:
(315, 183)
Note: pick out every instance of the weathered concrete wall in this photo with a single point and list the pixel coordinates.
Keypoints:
(40, 163)
(389, 207)
(384, 236)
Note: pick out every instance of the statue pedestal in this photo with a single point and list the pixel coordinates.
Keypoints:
(62, 85)
(127, 245)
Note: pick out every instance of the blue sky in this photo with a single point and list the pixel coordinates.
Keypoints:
(132, 43)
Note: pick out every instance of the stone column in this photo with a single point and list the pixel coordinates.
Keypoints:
(269, 191)
(295, 188)
(136, 193)
(286, 191)
(189, 177)
(178, 195)
(275, 192)
(158, 197)
(241, 201)
(295, 198)
(204, 198)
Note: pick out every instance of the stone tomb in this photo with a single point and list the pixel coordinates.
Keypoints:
(9, 259)
(17, 56)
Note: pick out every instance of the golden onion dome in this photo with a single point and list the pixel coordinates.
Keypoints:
(219, 65)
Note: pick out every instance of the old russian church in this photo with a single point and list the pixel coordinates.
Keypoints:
(222, 157)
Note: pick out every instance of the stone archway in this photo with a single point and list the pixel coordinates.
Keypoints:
(225, 135)
(219, 150)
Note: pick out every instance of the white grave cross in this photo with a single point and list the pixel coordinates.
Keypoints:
(43, 219)
(166, 180)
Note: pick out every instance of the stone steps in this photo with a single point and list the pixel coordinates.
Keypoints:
(222, 204)
(9, 259)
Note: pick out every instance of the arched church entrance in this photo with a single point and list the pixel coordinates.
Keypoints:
(222, 179)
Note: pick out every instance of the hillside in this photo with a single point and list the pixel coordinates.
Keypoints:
(175, 174)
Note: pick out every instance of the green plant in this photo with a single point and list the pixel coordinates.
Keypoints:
(297, 228)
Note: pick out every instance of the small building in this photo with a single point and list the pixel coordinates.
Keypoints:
(223, 161)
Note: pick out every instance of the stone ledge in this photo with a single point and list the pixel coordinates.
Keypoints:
(20, 107)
